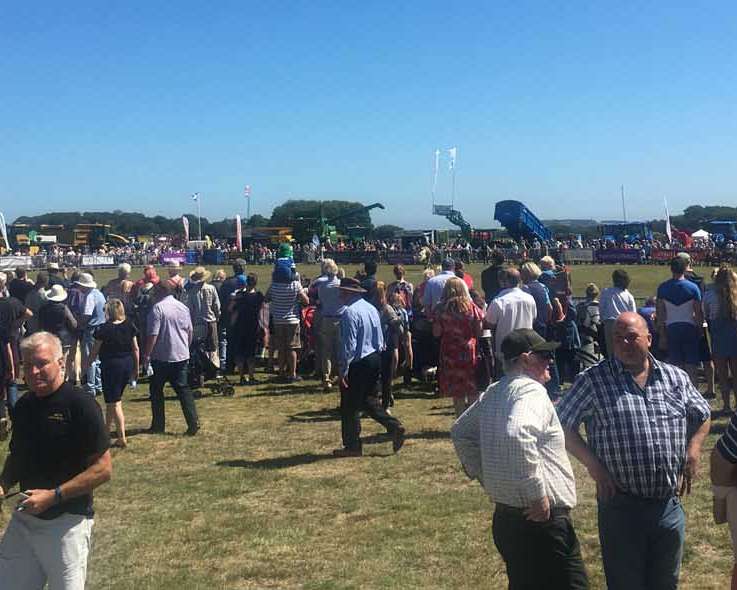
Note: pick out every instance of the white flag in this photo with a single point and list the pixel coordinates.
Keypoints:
(185, 223)
(452, 153)
(238, 234)
(196, 196)
(247, 191)
(4, 231)
(668, 230)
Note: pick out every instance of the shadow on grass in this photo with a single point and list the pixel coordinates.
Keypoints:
(420, 435)
(325, 415)
(286, 462)
(414, 394)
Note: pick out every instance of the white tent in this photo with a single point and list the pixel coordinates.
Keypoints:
(702, 234)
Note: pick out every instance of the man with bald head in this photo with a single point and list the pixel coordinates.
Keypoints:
(645, 423)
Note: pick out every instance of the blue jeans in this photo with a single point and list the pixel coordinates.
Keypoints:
(641, 542)
(93, 378)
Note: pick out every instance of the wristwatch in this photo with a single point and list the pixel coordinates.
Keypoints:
(57, 495)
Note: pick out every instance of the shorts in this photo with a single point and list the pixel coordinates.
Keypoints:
(683, 344)
(286, 337)
(728, 494)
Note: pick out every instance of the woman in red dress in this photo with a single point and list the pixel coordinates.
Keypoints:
(458, 325)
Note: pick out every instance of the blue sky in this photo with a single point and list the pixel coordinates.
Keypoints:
(135, 105)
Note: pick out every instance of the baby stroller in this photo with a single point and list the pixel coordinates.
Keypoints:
(202, 369)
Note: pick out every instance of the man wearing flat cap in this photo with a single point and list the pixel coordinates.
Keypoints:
(359, 360)
(511, 441)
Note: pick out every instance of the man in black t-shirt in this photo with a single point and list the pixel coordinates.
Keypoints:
(12, 313)
(20, 286)
(59, 452)
(490, 276)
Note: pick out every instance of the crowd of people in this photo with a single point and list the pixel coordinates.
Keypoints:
(500, 349)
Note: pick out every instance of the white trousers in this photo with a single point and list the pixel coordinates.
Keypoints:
(34, 551)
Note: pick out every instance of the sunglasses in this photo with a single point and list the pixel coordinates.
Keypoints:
(548, 355)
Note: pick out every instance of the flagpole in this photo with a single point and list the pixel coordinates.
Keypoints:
(453, 189)
(199, 219)
(624, 212)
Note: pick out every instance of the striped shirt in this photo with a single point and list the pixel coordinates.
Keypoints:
(284, 300)
(727, 443)
(638, 434)
(511, 440)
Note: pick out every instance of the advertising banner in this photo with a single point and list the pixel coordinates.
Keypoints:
(168, 257)
(13, 262)
(616, 255)
(98, 260)
(577, 255)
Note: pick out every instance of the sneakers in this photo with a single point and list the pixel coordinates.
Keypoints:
(4, 429)
(398, 437)
(344, 452)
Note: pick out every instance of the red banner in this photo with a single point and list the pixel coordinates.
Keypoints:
(668, 255)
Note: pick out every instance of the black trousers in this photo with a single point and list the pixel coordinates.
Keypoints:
(539, 555)
(176, 374)
(362, 395)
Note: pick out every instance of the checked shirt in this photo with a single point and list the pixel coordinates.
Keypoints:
(638, 434)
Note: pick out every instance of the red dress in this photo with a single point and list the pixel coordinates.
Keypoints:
(457, 370)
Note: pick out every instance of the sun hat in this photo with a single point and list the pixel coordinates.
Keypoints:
(285, 250)
(86, 280)
(525, 340)
(56, 293)
(352, 286)
(200, 274)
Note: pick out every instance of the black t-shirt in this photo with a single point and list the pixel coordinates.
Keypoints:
(19, 288)
(490, 282)
(11, 310)
(116, 339)
(53, 439)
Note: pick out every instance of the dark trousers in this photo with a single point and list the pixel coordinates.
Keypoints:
(362, 394)
(176, 375)
(641, 542)
(387, 376)
(539, 555)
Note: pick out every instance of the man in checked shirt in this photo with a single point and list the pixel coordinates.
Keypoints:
(512, 442)
(638, 413)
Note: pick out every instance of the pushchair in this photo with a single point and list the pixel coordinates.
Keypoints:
(202, 369)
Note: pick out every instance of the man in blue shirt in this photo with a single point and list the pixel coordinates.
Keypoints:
(93, 316)
(435, 285)
(359, 360)
(679, 317)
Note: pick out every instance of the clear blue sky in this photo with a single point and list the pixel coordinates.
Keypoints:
(135, 105)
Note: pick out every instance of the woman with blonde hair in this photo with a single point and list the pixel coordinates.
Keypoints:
(116, 344)
(457, 323)
(390, 328)
(720, 312)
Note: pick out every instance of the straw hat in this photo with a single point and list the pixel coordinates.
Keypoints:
(200, 274)
(56, 293)
(86, 280)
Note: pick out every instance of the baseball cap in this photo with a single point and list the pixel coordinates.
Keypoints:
(525, 340)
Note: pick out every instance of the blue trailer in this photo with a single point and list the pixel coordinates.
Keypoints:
(520, 222)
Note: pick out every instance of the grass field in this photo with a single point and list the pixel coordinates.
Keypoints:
(256, 500)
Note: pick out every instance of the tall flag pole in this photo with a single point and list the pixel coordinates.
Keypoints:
(247, 194)
(668, 229)
(452, 153)
(196, 199)
(435, 177)
(624, 211)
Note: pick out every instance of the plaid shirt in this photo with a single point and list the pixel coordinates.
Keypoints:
(512, 442)
(638, 434)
